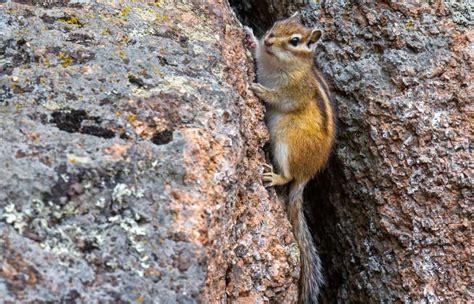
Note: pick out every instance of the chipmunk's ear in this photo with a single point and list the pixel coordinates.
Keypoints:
(314, 37)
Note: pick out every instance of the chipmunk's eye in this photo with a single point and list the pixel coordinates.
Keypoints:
(294, 41)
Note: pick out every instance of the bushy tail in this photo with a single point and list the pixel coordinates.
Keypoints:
(311, 278)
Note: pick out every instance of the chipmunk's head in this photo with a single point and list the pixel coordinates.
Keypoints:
(289, 41)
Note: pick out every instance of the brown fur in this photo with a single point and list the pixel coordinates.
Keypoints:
(309, 130)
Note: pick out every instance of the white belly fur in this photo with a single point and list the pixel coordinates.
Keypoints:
(278, 143)
(269, 75)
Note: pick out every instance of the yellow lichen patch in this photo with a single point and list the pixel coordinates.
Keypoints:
(19, 106)
(122, 54)
(160, 18)
(132, 119)
(125, 39)
(106, 32)
(66, 60)
(125, 10)
(45, 60)
(131, 76)
(157, 3)
(71, 20)
(140, 299)
(74, 159)
(409, 24)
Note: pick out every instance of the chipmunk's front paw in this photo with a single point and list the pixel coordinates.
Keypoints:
(250, 39)
(259, 90)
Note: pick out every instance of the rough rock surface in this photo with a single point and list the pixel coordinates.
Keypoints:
(130, 158)
(394, 225)
(397, 226)
(392, 212)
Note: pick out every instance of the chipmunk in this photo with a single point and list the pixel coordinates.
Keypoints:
(301, 123)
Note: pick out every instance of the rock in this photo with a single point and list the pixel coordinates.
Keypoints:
(392, 227)
(391, 213)
(391, 210)
(131, 152)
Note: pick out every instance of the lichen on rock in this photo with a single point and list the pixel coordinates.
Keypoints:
(130, 158)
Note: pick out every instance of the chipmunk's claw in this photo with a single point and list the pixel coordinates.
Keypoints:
(268, 176)
(258, 89)
(268, 185)
(269, 179)
(272, 179)
(250, 39)
(267, 167)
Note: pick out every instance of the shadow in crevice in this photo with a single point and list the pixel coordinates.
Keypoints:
(255, 14)
(337, 224)
(260, 15)
(323, 218)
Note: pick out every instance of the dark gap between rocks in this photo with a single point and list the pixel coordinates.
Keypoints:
(321, 213)
(320, 194)
(255, 14)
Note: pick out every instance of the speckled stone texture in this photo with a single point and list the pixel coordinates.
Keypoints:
(393, 211)
(130, 158)
(392, 214)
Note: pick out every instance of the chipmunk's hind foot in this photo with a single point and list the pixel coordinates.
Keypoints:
(270, 178)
